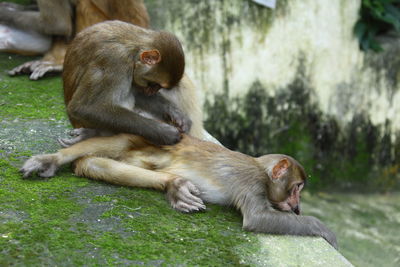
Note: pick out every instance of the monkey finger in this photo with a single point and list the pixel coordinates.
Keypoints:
(190, 199)
(37, 73)
(30, 166)
(40, 71)
(64, 142)
(184, 207)
(76, 132)
(21, 69)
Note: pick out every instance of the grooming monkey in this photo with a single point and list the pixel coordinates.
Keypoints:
(121, 78)
(265, 189)
(62, 19)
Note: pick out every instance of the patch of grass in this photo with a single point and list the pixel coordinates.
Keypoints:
(23, 98)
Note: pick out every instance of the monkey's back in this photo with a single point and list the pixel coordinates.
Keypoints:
(94, 53)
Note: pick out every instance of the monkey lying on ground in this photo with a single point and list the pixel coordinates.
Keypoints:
(265, 189)
(117, 74)
(60, 19)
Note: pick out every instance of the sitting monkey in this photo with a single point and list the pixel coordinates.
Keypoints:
(265, 189)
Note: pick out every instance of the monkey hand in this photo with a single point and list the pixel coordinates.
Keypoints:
(45, 165)
(37, 69)
(179, 120)
(164, 134)
(321, 230)
(183, 196)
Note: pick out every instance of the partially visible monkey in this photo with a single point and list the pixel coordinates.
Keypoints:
(265, 189)
(62, 19)
(121, 78)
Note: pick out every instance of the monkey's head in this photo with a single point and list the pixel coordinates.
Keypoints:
(286, 178)
(161, 65)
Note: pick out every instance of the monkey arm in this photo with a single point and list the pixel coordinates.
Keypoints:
(258, 217)
(165, 110)
(53, 18)
(122, 120)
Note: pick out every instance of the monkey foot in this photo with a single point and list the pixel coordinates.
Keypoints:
(183, 196)
(44, 165)
(37, 69)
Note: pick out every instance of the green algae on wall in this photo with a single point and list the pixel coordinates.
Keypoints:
(200, 23)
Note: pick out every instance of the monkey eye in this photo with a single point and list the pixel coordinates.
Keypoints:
(296, 187)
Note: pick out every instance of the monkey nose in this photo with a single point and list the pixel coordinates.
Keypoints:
(296, 210)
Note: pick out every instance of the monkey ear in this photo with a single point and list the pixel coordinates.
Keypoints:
(150, 57)
(280, 168)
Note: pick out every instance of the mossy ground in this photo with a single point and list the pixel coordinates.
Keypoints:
(70, 221)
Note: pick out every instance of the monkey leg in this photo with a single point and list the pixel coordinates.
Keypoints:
(46, 165)
(116, 172)
(52, 62)
(181, 193)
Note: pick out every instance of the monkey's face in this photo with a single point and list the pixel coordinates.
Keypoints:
(286, 178)
(149, 76)
(292, 201)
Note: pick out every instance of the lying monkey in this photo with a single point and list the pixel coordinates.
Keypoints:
(265, 189)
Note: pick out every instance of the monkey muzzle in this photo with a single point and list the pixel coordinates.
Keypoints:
(296, 210)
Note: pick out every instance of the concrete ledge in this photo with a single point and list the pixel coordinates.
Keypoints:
(295, 251)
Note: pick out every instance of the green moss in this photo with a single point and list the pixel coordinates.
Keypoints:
(22, 98)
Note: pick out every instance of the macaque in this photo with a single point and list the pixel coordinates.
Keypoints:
(60, 20)
(121, 78)
(265, 189)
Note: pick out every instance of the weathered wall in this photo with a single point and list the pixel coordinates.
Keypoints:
(234, 43)
(300, 59)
